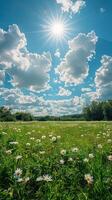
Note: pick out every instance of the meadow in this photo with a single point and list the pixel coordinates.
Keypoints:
(56, 161)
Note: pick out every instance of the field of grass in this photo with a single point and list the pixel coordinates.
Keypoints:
(56, 161)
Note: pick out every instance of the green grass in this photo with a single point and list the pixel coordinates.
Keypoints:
(43, 157)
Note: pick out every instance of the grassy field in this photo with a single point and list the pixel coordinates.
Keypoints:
(56, 161)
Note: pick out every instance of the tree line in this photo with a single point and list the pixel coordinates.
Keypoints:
(6, 114)
(96, 111)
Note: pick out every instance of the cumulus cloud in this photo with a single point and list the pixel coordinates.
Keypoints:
(64, 92)
(30, 70)
(36, 77)
(74, 67)
(17, 100)
(57, 53)
(65, 106)
(11, 42)
(73, 6)
(103, 78)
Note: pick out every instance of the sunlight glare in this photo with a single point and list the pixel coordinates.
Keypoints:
(57, 29)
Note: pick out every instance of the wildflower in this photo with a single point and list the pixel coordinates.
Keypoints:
(18, 157)
(86, 160)
(47, 178)
(38, 140)
(15, 143)
(18, 173)
(27, 144)
(75, 149)
(110, 157)
(32, 138)
(70, 159)
(43, 137)
(88, 178)
(63, 152)
(99, 146)
(53, 139)
(8, 151)
(19, 180)
(62, 161)
(40, 178)
(91, 155)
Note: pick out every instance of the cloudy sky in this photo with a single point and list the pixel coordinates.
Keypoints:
(55, 55)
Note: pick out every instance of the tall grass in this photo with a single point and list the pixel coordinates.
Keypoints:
(56, 161)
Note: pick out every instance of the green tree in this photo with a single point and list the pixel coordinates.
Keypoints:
(6, 115)
(107, 110)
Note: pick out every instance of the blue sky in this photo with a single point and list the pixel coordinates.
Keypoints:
(47, 75)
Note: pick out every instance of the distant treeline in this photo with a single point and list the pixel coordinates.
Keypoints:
(96, 111)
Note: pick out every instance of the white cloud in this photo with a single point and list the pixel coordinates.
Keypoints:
(103, 78)
(30, 70)
(74, 67)
(36, 77)
(64, 92)
(90, 96)
(57, 53)
(11, 42)
(73, 6)
(86, 89)
(18, 101)
(65, 106)
(2, 76)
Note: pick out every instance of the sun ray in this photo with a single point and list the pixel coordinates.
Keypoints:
(56, 29)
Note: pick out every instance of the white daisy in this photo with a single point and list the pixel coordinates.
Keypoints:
(40, 178)
(8, 151)
(53, 139)
(62, 161)
(88, 178)
(17, 173)
(75, 149)
(110, 157)
(86, 160)
(63, 152)
(91, 155)
(47, 178)
(43, 137)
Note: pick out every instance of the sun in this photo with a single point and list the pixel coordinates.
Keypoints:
(58, 29)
